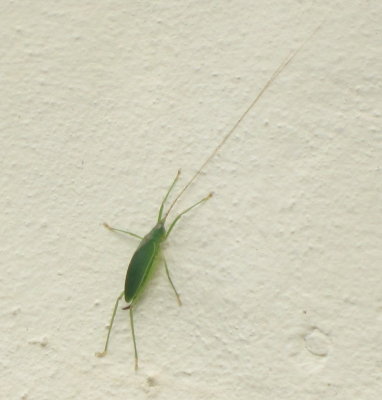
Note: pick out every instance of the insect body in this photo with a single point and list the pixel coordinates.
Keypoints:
(142, 263)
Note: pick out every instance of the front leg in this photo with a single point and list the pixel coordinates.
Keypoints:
(184, 212)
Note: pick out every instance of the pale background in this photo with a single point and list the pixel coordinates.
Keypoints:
(280, 273)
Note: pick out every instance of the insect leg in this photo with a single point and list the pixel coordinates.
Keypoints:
(167, 194)
(171, 283)
(184, 212)
(133, 334)
(103, 353)
(120, 230)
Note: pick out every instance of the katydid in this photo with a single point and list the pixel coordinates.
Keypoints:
(148, 251)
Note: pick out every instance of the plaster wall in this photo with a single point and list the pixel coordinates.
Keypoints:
(279, 273)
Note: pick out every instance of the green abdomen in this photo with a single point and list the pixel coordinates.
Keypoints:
(142, 262)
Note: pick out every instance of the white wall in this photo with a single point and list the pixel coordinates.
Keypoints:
(280, 273)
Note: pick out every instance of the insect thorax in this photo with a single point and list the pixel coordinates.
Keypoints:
(158, 233)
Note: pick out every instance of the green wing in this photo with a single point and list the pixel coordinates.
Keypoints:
(139, 268)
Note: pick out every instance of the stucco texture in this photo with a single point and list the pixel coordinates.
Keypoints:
(279, 273)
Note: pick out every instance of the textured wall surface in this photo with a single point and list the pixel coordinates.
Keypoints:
(279, 273)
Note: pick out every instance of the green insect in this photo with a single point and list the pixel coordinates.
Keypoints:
(148, 252)
(142, 263)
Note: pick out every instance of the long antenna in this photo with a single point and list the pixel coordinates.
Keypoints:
(275, 74)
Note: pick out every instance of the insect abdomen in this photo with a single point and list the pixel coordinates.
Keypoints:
(142, 262)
